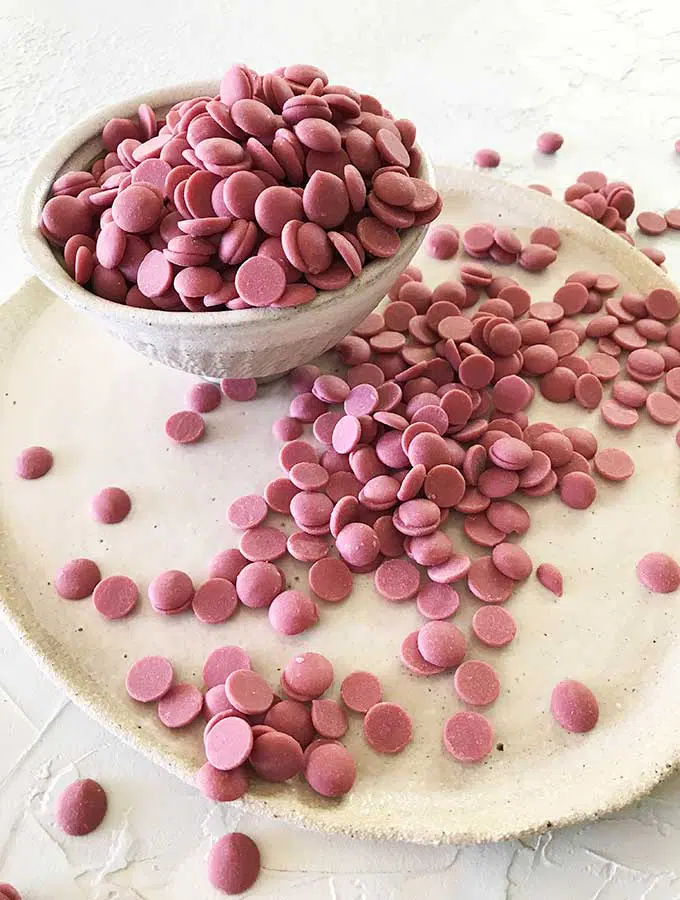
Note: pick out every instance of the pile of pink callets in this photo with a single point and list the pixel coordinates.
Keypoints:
(428, 417)
(279, 186)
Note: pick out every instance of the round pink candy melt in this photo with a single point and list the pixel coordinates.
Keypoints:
(309, 675)
(330, 579)
(33, 462)
(494, 626)
(292, 612)
(149, 679)
(222, 787)
(247, 512)
(263, 543)
(180, 705)
(77, 579)
(360, 691)
(185, 427)
(437, 601)
(171, 591)
(330, 770)
(659, 573)
(551, 578)
(397, 580)
(234, 863)
(203, 397)
(215, 601)
(110, 506)
(574, 706)
(81, 807)
(248, 692)
(475, 682)
(387, 728)
(614, 464)
(228, 743)
(276, 757)
(468, 737)
(115, 597)
(329, 718)
(222, 662)
(441, 644)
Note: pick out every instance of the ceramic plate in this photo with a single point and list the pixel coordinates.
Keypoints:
(101, 408)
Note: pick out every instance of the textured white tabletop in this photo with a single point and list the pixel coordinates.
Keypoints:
(470, 74)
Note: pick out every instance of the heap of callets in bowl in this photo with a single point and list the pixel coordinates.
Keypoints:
(280, 186)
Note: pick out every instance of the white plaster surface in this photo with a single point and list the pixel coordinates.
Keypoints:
(471, 74)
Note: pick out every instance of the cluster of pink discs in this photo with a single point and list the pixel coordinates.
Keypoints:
(279, 186)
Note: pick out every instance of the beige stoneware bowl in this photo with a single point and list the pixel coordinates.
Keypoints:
(257, 343)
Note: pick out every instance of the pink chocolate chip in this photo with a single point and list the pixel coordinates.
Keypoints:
(234, 862)
(387, 728)
(81, 807)
(180, 706)
(110, 506)
(149, 679)
(360, 691)
(574, 706)
(468, 737)
(659, 573)
(77, 579)
(33, 462)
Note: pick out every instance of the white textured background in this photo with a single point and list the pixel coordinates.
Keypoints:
(471, 74)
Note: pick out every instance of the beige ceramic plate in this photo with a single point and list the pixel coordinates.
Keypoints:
(101, 408)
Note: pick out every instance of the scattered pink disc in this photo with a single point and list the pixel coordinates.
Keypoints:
(360, 691)
(239, 389)
(330, 770)
(614, 464)
(222, 787)
(309, 675)
(578, 490)
(387, 728)
(215, 601)
(228, 743)
(551, 578)
(115, 597)
(330, 579)
(397, 580)
(476, 683)
(248, 692)
(662, 408)
(185, 427)
(180, 705)
(33, 462)
(77, 579)
(81, 807)
(487, 582)
(574, 706)
(307, 547)
(171, 592)
(292, 612)
(110, 506)
(233, 863)
(414, 660)
(294, 718)
(263, 543)
(203, 397)
(512, 561)
(441, 644)
(329, 718)
(494, 626)
(149, 679)
(437, 601)
(276, 757)
(247, 512)
(468, 737)
(659, 573)
(222, 662)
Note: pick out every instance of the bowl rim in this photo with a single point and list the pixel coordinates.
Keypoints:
(44, 262)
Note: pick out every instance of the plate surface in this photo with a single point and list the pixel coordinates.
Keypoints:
(101, 408)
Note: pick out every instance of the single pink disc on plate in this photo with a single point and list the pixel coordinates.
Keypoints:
(77, 579)
(614, 464)
(248, 692)
(222, 787)
(437, 601)
(180, 705)
(149, 679)
(330, 579)
(442, 644)
(33, 462)
(551, 578)
(215, 601)
(222, 662)
(494, 626)
(387, 728)
(329, 718)
(330, 770)
(476, 683)
(247, 511)
(414, 660)
(276, 757)
(309, 675)
(397, 579)
(110, 506)
(360, 691)
(171, 592)
(185, 427)
(468, 736)
(115, 597)
(574, 706)
(228, 743)
(203, 397)
(81, 807)
(263, 543)
(487, 582)
(659, 573)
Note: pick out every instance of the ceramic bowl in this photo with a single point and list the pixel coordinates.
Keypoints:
(253, 343)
